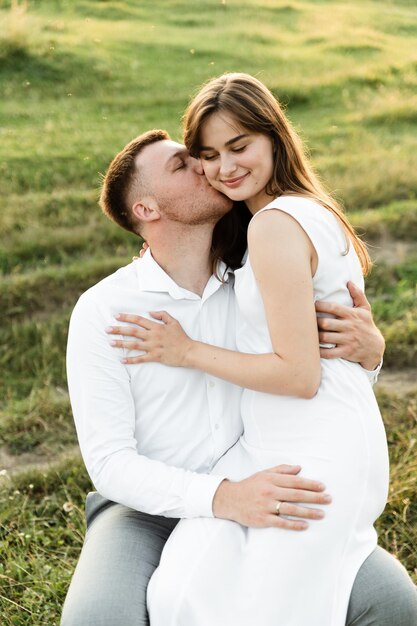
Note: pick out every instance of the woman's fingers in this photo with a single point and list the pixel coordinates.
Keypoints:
(129, 345)
(138, 320)
(163, 316)
(134, 360)
(145, 246)
(129, 331)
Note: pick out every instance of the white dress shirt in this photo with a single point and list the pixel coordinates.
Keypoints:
(149, 434)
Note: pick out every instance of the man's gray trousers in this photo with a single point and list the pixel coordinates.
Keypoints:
(122, 548)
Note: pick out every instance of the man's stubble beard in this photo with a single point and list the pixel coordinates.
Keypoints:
(209, 211)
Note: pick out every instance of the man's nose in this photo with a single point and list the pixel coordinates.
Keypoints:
(197, 166)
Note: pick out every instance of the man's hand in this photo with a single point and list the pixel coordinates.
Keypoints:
(352, 329)
(253, 501)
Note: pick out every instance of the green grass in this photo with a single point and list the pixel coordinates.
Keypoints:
(392, 290)
(41, 531)
(28, 292)
(397, 528)
(40, 423)
(397, 220)
(80, 78)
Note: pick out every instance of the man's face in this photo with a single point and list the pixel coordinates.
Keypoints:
(177, 183)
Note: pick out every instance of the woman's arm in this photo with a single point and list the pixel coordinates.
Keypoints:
(281, 256)
(283, 271)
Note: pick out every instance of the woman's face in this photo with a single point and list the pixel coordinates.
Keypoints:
(236, 161)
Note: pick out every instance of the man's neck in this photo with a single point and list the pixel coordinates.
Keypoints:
(185, 256)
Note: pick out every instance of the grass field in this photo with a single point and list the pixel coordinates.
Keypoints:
(80, 78)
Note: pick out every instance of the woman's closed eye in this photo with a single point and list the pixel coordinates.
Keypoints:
(239, 149)
(208, 157)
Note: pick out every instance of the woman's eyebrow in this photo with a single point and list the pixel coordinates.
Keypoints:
(228, 143)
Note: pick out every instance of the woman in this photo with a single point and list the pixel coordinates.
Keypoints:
(295, 406)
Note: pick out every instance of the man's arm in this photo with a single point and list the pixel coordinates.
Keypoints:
(104, 414)
(353, 330)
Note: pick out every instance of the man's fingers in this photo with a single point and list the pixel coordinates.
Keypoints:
(331, 324)
(334, 338)
(276, 521)
(296, 482)
(331, 308)
(358, 297)
(295, 510)
(332, 353)
(285, 469)
(301, 496)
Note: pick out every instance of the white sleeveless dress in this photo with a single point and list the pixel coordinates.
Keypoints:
(217, 573)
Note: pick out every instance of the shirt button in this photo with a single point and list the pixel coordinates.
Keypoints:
(216, 426)
(211, 383)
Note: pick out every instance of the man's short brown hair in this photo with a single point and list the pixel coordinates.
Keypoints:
(121, 176)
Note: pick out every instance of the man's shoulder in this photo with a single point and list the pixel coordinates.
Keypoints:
(108, 290)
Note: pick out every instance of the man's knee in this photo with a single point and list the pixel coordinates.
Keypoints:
(121, 551)
(383, 594)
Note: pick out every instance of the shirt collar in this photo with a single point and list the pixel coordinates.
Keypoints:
(151, 277)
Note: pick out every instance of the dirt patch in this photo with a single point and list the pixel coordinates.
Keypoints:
(13, 463)
(392, 252)
(398, 381)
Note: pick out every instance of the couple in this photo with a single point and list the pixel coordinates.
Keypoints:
(160, 443)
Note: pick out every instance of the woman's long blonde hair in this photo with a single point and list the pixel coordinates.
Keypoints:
(255, 108)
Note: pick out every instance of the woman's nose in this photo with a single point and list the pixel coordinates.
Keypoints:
(227, 166)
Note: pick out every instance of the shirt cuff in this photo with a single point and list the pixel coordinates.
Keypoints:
(200, 494)
(373, 374)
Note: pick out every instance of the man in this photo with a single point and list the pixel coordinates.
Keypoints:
(150, 434)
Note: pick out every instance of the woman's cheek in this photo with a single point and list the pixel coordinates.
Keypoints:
(209, 173)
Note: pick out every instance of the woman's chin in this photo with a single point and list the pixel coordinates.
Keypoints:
(237, 195)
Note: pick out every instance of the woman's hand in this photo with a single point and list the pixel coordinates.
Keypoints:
(163, 342)
(141, 251)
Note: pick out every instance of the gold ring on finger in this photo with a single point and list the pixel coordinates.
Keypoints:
(277, 507)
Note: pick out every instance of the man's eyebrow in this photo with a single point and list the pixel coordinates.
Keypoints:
(180, 153)
(228, 143)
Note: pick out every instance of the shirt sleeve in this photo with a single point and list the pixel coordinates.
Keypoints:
(104, 414)
(373, 374)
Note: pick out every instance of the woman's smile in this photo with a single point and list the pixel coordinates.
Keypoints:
(234, 182)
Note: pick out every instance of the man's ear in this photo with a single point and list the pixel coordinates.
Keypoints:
(146, 210)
